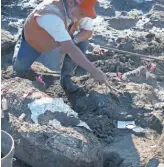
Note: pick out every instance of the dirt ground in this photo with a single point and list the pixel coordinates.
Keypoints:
(131, 26)
(135, 149)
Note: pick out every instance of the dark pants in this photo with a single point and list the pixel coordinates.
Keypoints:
(68, 64)
(68, 68)
(25, 56)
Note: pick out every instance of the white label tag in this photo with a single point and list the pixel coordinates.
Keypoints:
(4, 104)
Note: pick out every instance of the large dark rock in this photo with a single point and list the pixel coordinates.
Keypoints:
(121, 23)
(61, 139)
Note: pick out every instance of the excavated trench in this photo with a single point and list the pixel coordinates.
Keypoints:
(99, 109)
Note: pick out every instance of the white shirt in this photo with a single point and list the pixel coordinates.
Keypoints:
(55, 26)
(86, 24)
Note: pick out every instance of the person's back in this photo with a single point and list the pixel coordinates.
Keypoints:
(38, 37)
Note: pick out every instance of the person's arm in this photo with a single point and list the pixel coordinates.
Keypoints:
(57, 30)
(83, 35)
(77, 56)
(86, 29)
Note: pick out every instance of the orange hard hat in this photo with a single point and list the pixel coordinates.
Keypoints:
(87, 8)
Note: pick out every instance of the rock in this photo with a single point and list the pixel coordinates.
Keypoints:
(121, 153)
(124, 13)
(137, 75)
(109, 139)
(112, 159)
(7, 43)
(150, 35)
(45, 144)
(140, 75)
(152, 163)
(159, 106)
(127, 46)
(122, 22)
(134, 13)
(102, 126)
(128, 5)
(148, 25)
(155, 124)
(151, 78)
(160, 2)
(158, 7)
(157, 18)
(105, 9)
(115, 65)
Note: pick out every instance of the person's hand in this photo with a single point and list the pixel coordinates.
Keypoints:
(100, 76)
